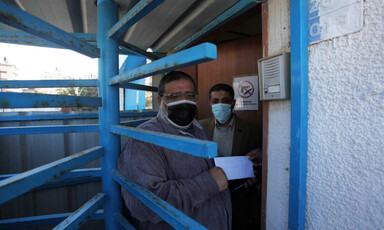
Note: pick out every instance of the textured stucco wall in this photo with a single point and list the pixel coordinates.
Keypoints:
(279, 125)
(345, 179)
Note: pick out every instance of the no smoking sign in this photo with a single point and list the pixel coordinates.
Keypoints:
(246, 93)
(245, 89)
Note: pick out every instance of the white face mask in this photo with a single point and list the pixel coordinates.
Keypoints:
(222, 112)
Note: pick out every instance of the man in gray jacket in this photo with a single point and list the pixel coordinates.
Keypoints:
(191, 184)
(236, 137)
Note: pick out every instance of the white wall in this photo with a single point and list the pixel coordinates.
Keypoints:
(345, 179)
(279, 125)
(345, 184)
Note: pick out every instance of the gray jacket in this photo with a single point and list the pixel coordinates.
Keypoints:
(180, 179)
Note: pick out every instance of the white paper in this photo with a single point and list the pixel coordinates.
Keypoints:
(235, 167)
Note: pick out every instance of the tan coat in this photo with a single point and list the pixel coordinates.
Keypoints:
(246, 136)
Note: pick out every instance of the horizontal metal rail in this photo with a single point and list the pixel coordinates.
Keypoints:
(134, 15)
(80, 216)
(48, 83)
(77, 173)
(23, 130)
(36, 116)
(124, 223)
(138, 87)
(237, 9)
(24, 38)
(78, 176)
(134, 123)
(32, 100)
(192, 146)
(24, 21)
(24, 182)
(136, 50)
(167, 212)
(195, 55)
(17, 223)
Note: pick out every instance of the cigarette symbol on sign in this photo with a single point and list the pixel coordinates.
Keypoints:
(245, 89)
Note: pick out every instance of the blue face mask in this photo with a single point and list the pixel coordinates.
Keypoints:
(222, 112)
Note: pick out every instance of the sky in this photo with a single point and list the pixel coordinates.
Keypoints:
(32, 60)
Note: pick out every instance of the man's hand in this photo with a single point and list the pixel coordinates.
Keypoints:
(219, 175)
(254, 156)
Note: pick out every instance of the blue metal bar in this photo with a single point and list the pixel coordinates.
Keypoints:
(138, 87)
(77, 173)
(74, 177)
(134, 15)
(19, 19)
(124, 223)
(48, 129)
(47, 83)
(32, 100)
(42, 220)
(195, 147)
(107, 16)
(134, 123)
(167, 212)
(33, 116)
(237, 9)
(23, 182)
(137, 50)
(23, 38)
(192, 56)
(299, 114)
(80, 216)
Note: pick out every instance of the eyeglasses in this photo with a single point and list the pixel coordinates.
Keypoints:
(178, 96)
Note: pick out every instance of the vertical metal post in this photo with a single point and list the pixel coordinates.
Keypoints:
(109, 112)
(299, 114)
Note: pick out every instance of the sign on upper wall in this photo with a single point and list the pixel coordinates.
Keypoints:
(246, 92)
(332, 18)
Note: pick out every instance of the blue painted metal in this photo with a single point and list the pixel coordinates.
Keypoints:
(79, 176)
(23, 38)
(32, 100)
(167, 212)
(137, 12)
(23, 182)
(48, 129)
(138, 87)
(33, 116)
(299, 114)
(124, 223)
(18, 18)
(134, 99)
(237, 9)
(109, 113)
(195, 147)
(47, 83)
(138, 51)
(32, 221)
(80, 216)
(195, 55)
(77, 173)
(134, 123)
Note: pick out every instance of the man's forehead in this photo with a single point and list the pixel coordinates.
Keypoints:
(182, 83)
(221, 94)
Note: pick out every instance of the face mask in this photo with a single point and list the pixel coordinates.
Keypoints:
(222, 112)
(180, 113)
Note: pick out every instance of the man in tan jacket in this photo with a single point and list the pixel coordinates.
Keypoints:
(236, 137)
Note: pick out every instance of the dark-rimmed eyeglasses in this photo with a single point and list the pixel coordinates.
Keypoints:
(178, 96)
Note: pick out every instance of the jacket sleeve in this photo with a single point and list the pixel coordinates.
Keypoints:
(145, 164)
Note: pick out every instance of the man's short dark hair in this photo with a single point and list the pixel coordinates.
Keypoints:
(173, 76)
(222, 87)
